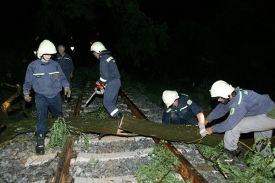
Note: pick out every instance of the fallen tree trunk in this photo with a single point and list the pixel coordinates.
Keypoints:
(188, 134)
(128, 126)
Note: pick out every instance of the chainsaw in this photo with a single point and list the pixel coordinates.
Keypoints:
(99, 89)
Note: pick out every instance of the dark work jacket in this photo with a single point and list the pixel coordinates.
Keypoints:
(45, 78)
(245, 103)
(186, 110)
(65, 62)
(108, 68)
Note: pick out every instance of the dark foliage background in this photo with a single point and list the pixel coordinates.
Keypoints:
(199, 41)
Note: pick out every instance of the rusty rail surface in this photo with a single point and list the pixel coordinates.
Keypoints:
(78, 106)
(187, 171)
(79, 100)
(62, 171)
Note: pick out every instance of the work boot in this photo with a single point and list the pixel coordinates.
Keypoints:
(118, 116)
(40, 146)
(228, 156)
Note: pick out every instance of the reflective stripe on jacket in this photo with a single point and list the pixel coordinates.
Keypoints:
(108, 69)
(187, 110)
(45, 78)
(245, 103)
(65, 62)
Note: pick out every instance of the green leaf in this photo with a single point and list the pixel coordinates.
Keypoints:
(92, 160)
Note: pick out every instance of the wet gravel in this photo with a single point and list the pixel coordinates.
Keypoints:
(13, 157)
(12, 164)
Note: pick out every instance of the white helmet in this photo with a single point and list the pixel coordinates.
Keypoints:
(169, 97)
(46, 47)
(97, 47)
(221, 89)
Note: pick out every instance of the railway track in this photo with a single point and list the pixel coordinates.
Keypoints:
(113, 158)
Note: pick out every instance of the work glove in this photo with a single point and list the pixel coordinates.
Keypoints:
(27, 98)
(67, 92)
(203, 132)
(99, 91)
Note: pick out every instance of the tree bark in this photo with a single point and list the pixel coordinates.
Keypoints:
(128, 126)
(188, 134)
(7, 104)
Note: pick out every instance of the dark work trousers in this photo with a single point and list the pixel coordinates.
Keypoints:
(110, 96)
(67, 74)
(261, 125)
(42, 105)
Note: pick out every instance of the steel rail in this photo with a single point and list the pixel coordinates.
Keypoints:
(61, 173)
(62, 170)
(79, 101)
(186, 170)
(78, 106)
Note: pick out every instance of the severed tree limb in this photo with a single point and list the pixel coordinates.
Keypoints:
(15, 87)
(7, 104)
(188, 134)
(128, 126)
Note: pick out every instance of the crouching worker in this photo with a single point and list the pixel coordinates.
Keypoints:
(46, 78)
(247, 112)
(179, 110)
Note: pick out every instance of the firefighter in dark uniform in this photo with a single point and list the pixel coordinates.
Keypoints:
(47, 79)
(109, 77)
(66, 63)
(248, 112)
(182, 109)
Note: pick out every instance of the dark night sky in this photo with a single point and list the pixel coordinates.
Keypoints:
(17, 17)
(173, 11)
(17, 21)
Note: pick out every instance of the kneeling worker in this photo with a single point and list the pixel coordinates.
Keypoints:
(182, 109)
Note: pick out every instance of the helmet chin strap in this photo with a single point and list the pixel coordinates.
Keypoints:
(234, 93)
(226, 100)
(43, 59)
(229, 98)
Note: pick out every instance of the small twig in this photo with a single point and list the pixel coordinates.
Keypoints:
(15, 140)
(9, 85)
(24, 110)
